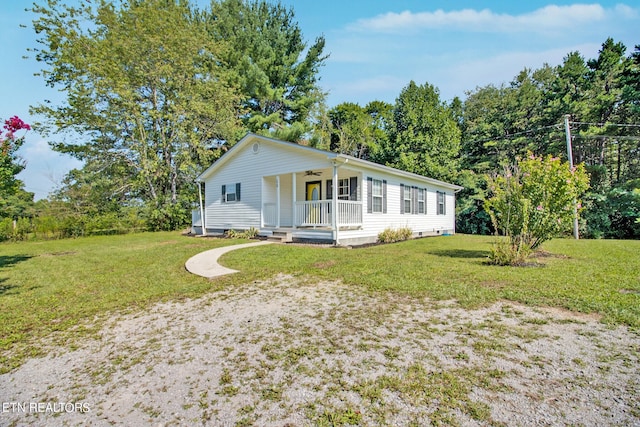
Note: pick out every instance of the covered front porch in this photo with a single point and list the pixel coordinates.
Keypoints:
(323, 200)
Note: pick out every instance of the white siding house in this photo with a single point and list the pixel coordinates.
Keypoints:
(281, 187)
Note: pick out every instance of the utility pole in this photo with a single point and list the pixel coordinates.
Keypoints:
(567, 131)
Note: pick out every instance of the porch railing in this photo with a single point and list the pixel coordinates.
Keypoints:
(317, 213)
(270, 215)
(349, 213)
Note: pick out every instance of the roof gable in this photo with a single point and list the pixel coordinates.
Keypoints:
(250, 138)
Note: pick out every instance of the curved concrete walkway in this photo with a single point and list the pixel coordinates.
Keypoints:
(205, 263)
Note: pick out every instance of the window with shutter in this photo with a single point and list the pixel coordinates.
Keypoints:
(376, 195)
(442, 209)
(231, 193)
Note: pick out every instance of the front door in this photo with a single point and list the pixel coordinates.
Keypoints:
(313, 194)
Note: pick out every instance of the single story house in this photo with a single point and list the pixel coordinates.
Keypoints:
(301, 193)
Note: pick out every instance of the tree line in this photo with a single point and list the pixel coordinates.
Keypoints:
(156, 90)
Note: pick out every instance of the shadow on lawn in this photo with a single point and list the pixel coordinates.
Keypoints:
(4, 287)
(460, 253)
(8, 261)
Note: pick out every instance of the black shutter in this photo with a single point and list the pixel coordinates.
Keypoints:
(329, 189)
(353, 188)
(384, 196)
(401, 199)
(237, 192)
(224, 193)
(424, 196)
(369, 194)
(444, 203)
(414, 200)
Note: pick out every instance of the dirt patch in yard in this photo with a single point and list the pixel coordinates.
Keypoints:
(293, 352)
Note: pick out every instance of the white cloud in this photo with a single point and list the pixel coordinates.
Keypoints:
(34, 148)
(551, 17)
(626, 11)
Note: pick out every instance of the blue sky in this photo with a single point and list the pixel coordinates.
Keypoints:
(375, 47)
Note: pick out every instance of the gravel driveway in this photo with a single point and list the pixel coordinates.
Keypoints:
(289, 352)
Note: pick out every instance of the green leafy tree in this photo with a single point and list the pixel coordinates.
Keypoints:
(569, 91)
(273, 67)
(96, 189)
(630, 81)
(359, 131)
(605, 80)
(533, 202)
(144, 91)
(501, 123)
(471, 217)
(424, 138)
(482, 127)
(17, 205)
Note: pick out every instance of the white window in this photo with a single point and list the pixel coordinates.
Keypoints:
(406, 199)
(231, 193)
(442, 209)
(421, 203)
(343, 189)
(377, 195)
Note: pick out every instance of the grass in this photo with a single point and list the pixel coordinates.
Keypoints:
(64, 290)
(588, 276)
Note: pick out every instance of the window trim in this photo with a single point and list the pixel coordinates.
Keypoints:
(342, 195)
(422, 203)
(407, 200)
(353, 193)
(375, 196)
(441, 203)
(236, 192)
(370, 195)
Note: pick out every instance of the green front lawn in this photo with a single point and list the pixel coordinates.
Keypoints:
(65, 289)
(590, 276)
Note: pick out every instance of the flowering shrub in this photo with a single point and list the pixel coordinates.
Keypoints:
(13, 125)
(10, 164)
(532, 202)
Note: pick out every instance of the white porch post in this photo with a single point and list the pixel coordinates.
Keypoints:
(262, 203)
(278, 201)
(334, 211)
(293, 197)
(202, 220)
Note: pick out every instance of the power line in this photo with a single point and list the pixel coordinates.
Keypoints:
(559, 125)
(607, 124)
(510, 135)
(617, 137)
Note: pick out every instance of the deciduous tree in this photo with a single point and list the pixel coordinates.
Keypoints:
(358, 131)
(532, 202)
(10, 163)
(144, 90)
(424, 138)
